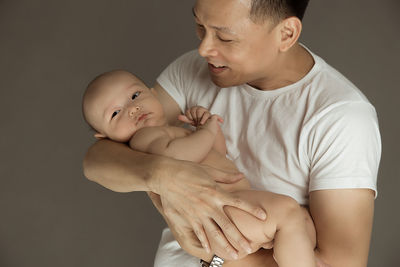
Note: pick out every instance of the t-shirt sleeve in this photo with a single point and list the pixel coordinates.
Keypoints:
(344, 148)
(177, 78)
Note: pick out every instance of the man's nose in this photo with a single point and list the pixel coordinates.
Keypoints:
(133, 109)
(207, 47)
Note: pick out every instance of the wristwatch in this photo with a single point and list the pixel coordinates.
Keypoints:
(215, 262)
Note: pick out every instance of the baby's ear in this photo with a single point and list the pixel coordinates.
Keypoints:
(99, 136)
(153, 91)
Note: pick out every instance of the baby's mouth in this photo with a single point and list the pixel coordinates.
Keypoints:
(142, 117)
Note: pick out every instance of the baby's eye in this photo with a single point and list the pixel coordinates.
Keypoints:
(135, 95)
(115, 113)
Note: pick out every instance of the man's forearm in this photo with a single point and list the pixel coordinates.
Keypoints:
(119, 168)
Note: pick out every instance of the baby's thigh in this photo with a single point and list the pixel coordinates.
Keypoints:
(279, 210)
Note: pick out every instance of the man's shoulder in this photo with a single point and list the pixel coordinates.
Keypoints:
(330, 87)
(329, 95)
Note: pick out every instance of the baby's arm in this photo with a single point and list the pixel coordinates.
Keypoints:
(165, 141)
(198, 116)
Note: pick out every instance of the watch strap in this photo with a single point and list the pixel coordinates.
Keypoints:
(215, 262)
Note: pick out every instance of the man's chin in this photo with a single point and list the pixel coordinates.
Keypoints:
(223, 83)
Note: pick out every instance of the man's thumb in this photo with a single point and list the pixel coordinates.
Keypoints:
(227, 178)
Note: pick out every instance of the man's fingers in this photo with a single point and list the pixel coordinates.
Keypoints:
(219, 241)
(233, 234)
(268, 245)
(224, 177)
(201, 235)
(253, 209)
(156, 199)
(320, 263)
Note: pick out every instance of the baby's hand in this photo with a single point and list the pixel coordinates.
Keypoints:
(197, 116)
(212, 124)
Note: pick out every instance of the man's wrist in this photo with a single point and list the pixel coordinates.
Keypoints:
(161, 167)
(207, 258)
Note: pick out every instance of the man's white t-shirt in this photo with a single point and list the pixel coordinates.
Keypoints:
(318, 133)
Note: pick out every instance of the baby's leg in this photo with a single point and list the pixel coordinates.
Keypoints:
(288, 226)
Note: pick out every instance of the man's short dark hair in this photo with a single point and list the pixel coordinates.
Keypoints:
(277, 10)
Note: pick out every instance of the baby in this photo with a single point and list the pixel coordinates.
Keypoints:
(120, 107)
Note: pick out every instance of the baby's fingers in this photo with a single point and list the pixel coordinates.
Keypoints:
(219, 118)
(185, 119)
(206, 115)
(196, 114)
(189, 114)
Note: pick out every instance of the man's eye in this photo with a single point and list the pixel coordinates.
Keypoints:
(200, 31)
(135, 95)
(115, 113)
(224, 40)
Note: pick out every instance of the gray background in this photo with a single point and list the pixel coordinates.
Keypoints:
(50, 215)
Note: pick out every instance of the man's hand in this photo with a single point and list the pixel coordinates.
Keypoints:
(182, 232)
(192, 196)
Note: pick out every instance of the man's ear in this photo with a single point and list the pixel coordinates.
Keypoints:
(99, 136)
(290, 30)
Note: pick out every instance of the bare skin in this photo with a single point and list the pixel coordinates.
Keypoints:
(119, 106)
(183, 185)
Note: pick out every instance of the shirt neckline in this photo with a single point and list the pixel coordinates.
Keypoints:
(318, 62)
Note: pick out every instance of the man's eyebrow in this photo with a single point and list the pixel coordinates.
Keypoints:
(218, 28)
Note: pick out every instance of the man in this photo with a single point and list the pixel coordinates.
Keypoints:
(293, 125)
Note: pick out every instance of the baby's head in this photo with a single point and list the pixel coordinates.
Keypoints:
(117, 104)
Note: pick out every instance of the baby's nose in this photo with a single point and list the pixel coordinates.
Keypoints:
(134, 110)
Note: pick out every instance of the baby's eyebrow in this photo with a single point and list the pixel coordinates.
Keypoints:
(137, 86)
(106, 112)
(131, 85)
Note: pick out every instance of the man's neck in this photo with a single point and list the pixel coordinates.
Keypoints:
(291, 67)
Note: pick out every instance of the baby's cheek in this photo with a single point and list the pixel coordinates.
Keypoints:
(123, 134)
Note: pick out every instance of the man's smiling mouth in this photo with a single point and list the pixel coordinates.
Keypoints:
(216, 68)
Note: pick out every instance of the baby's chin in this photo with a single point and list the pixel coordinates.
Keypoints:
(122, 139)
